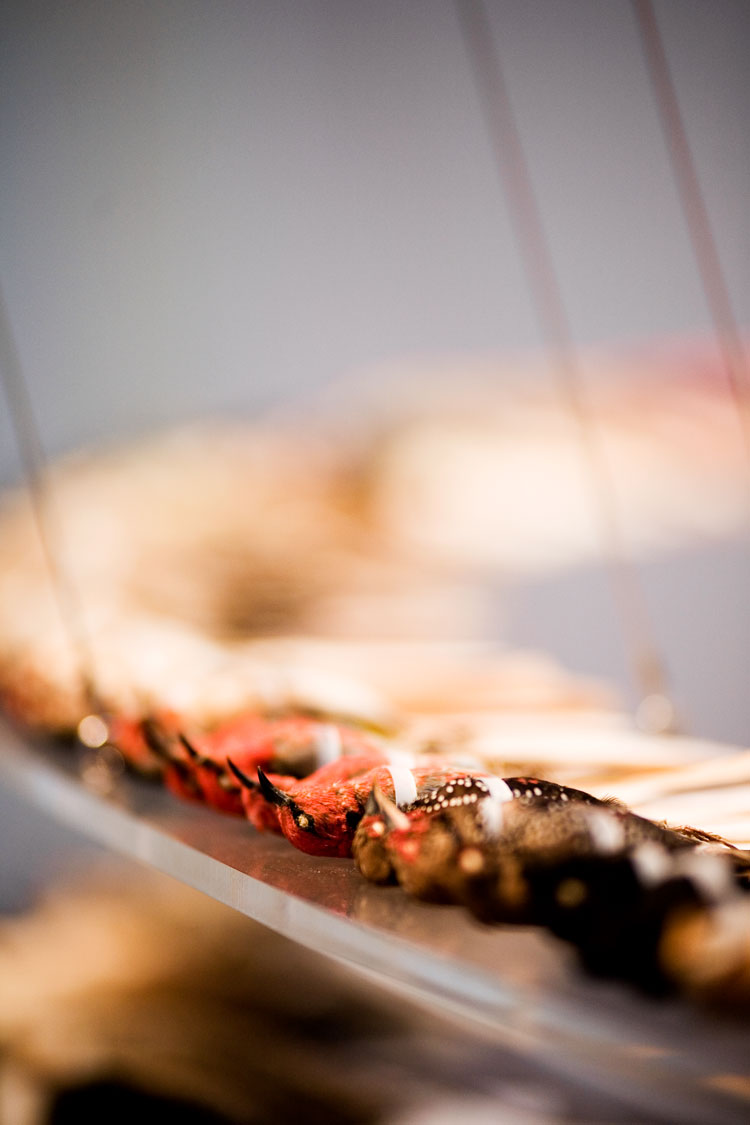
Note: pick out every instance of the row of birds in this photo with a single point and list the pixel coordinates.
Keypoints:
(662, 907)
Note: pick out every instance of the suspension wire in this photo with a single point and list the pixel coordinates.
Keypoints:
(647, 665)
(695, 214)
(46, 517)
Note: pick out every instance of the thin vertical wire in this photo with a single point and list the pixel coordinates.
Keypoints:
(696, 214)
(36, 472)
(546, 293)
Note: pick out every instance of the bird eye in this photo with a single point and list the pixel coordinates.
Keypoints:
(304, 821)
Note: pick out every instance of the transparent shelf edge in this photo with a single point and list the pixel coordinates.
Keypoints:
(598, 1034)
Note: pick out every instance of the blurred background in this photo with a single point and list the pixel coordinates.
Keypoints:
(207, 208)
(211, 208)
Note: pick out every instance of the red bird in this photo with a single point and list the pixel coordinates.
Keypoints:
(321, 813)
(196, 767)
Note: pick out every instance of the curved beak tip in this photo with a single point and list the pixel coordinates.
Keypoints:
(188, 746)
(387, 808)
(272, 794)
(245, 781)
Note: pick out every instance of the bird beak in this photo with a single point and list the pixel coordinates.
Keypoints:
(155, 739)
(388, 809)
(190, 750)
(244, 780)
(273, 795)
(195, 756)
(159, 745)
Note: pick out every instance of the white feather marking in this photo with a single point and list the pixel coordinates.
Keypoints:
(709, 870)
(498, 789)
(491, 808)
(404, 785)
(651, 864)
(606, 832)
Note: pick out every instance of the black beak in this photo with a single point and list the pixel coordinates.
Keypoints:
(191, 751)
(198, 758)
(273, 795)
(244, 780)
(155, 739)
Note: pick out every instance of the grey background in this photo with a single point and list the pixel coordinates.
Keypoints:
(207, 206)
